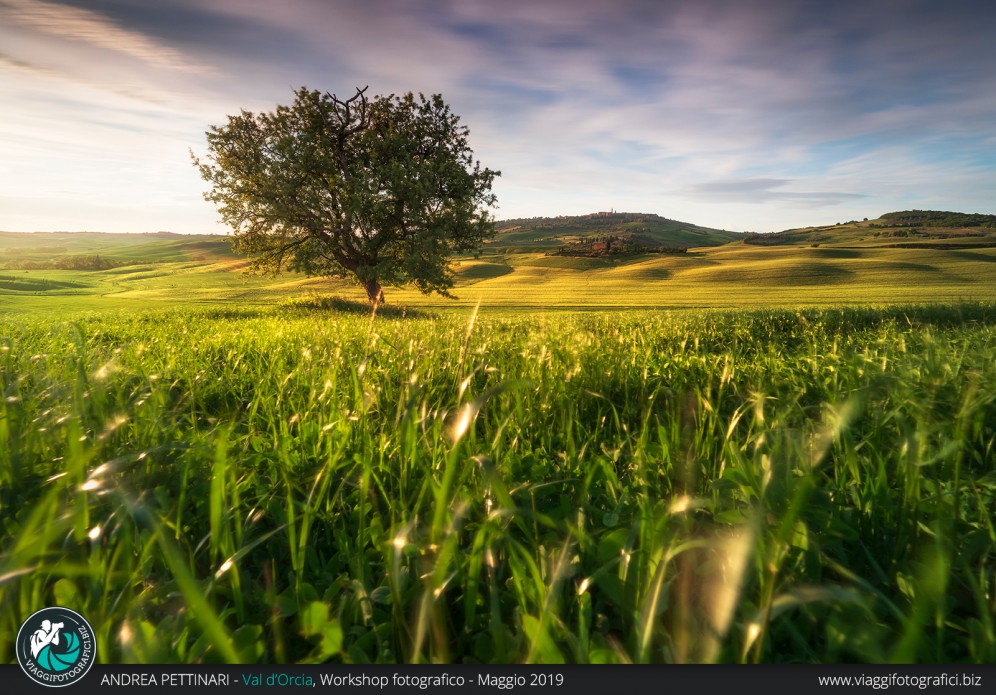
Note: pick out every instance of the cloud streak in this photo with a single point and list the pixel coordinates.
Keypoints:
(731, 114)
(761, 191)
(74, 24)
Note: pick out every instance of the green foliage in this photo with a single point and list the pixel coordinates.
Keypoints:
(90, 262)
(303, 486)
(384, 190)
(936, 218)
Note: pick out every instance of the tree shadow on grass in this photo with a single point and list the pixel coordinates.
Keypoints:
(349, 306)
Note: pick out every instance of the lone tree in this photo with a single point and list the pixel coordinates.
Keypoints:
(384, 189)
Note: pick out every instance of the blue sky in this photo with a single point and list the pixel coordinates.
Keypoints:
(746, 115)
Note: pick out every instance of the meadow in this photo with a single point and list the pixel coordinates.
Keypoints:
(301, 483)
(858, 264)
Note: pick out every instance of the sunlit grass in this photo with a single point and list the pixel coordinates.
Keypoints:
(307, 485)
(730, 276)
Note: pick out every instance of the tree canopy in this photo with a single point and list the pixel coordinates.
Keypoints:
(384, 189)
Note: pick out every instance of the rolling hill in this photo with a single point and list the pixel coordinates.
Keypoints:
(905, 229)
(547, 233)
(41, 250)
(897, 258)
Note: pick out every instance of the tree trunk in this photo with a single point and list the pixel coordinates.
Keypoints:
(375, 293)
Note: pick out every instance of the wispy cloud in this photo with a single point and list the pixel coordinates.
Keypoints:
(733, 114)
(76, 24)
(11, 64)
(762, 191)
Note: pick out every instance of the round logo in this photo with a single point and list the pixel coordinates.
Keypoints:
(56, 647)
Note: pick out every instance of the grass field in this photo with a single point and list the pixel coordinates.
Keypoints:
(729, 276)
(305, 485)
(741, 453)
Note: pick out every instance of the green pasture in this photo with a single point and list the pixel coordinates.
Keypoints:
(775, 453)
(728, 276)
(304, 484)
(18, 247)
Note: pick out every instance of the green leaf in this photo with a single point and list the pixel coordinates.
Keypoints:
(249, 644)
(314, 618)
(66, 593)
(542, 647)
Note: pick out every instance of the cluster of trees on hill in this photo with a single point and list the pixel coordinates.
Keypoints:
(613, 245)
(937, 218)
(67, 263)
(918, 232)
(761, 239)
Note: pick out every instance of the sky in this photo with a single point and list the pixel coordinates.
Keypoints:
(749, 115)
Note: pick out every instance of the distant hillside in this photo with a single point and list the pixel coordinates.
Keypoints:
(855, 262)
(937, 218)
(100, 251)
(547, 233)
(904, 229)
